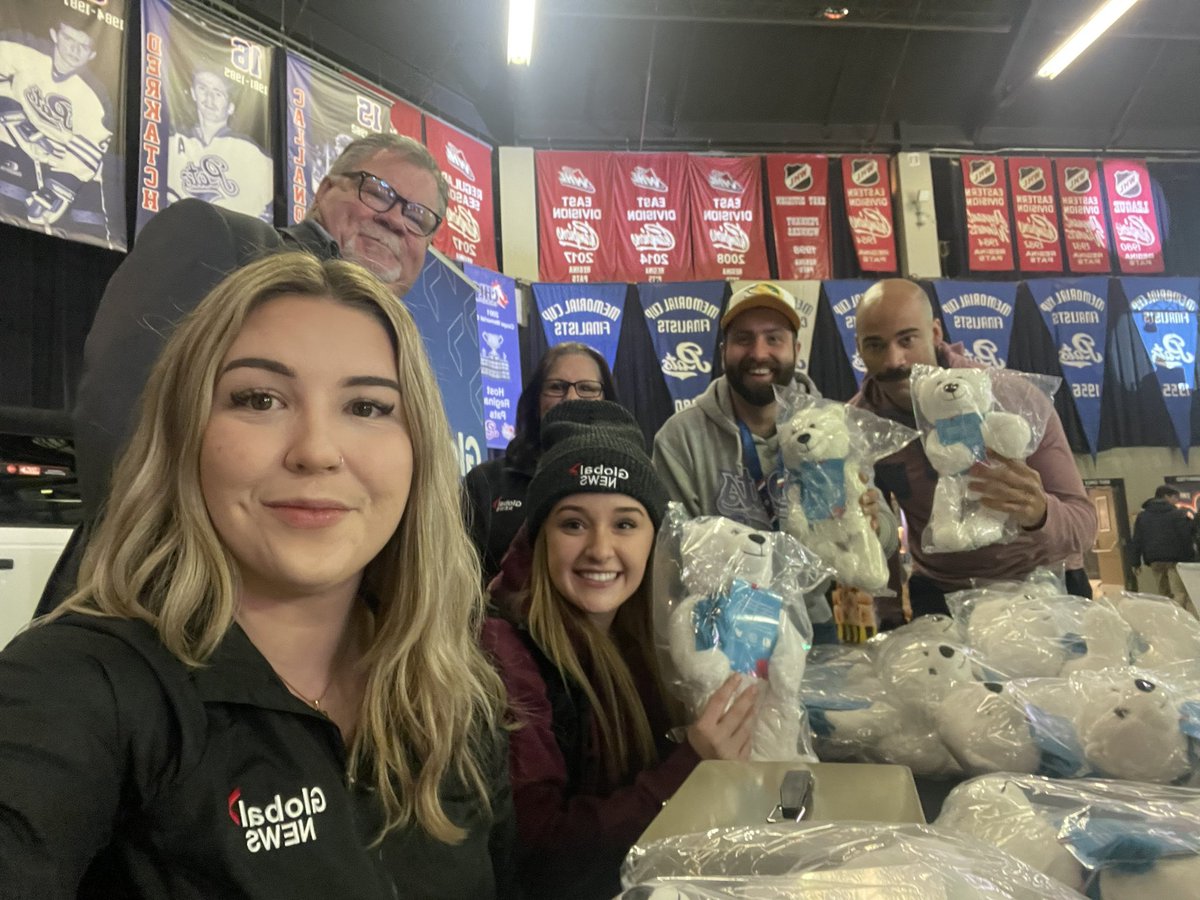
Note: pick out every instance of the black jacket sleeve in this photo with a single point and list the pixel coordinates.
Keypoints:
(181, 254)
(80, 749)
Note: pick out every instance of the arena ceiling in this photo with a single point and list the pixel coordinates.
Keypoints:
(762, 74)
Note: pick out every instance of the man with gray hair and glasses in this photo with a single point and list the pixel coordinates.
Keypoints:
(379, 205)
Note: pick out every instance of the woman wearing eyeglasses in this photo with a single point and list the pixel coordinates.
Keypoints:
(496, 489)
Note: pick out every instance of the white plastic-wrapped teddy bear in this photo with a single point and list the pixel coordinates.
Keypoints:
(964, 423)
(743, 611)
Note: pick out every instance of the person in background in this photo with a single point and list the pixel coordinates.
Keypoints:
(896, 330)
(264, 687)
(589, 764)
(1163, 538)
(721, 457)
(495, 490)
(379, 206)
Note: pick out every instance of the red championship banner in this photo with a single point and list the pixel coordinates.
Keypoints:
(576, 239)
(728, 238)
(1084, 233)
(869, 210)
(651, 215)
(989, 232)
(799, 188)
(469, 232)
(1035, 215)
(1134, 220)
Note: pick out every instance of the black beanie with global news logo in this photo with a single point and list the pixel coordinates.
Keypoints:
(592, 447)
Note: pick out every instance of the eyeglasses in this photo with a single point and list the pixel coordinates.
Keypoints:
(584, 390)
(379, 196)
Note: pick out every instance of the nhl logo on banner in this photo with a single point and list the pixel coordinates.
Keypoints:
(1127, 183)
(1031, 179)
(864, 172)
(798, 177)
(983, 172)
(1077, 180)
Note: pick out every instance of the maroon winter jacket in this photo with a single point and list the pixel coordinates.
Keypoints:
(1070, 526)
(573, 825)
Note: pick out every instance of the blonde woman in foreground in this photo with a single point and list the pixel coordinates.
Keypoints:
(268, 683)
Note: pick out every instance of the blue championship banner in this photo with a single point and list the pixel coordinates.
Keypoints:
(1164, 311)
(588, 313)
(682, 318)
(442, 303)
(206, 114)
(499, 352)
(325, 111)
(844, 297)
(62, 119)
(1075, 311)
(980, 314)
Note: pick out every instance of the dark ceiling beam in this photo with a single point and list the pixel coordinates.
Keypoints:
(681, 82)
(762, 137)
(1003, 87)
(1127, 108)
(896, 70)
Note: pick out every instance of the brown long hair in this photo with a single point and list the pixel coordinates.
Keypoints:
(596, 661)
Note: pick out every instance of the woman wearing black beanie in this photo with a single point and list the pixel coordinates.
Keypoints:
(590, 764)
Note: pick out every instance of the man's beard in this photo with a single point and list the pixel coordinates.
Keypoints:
(759, 395)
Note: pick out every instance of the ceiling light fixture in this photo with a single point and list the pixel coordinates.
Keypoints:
(1083, 37)
(521, 14)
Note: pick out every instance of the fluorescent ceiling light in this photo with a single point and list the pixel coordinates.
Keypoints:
(520, 31)
(1098, 23)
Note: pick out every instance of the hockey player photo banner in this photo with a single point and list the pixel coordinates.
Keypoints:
(1085, 235)
(844, 297)
(799, 192)
(682, 319)
(989, 234)
(1035, 215)
(62, 119)
(325, 111)
(210, 107)
(499, 352)
(442, 303)
(576, 238)
(650, 200)
(469, 231)
(1134, 220)
(588, 313)
(403, 118)
(728, 237)
(980, 315)
(1164, 311)
(868, 191)
(1075, 311)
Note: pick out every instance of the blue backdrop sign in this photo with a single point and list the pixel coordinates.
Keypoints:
(499, 352)
(682, 319)
(588, 313)
(980, 314)
(1164, 311)
(442, 303)
(844, 297)
(1075, 311)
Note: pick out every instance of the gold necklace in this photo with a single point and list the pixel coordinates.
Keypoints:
(314, 703)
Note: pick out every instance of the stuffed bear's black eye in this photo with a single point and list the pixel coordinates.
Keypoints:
(993, 686)
(947, 652)
(1143, 685)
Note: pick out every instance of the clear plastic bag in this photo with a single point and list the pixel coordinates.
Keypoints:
(828, 451)
(962, 415)
(1022, 630)
(880, 703)
(834, 860)
(731, 599)
(1118, 840)
(1164, 633)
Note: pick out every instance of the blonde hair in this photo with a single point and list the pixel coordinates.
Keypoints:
(432, 702)
(596, 662)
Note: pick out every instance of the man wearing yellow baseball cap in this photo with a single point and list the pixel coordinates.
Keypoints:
(720, 456)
